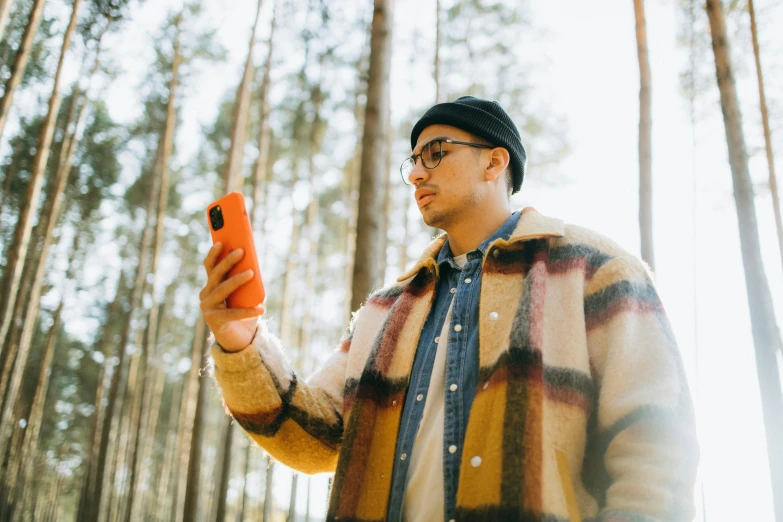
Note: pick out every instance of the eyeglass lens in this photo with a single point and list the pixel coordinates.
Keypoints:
(430, 157)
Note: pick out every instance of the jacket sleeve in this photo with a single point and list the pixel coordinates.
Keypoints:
(644, 443)
(298, 422)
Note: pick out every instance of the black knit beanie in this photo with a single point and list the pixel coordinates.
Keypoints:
(483, 118)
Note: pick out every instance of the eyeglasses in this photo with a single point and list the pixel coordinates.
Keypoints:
(431, 154)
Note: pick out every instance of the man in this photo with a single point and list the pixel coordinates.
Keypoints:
(523, 369)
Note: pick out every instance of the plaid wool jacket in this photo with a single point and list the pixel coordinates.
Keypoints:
(582, 411)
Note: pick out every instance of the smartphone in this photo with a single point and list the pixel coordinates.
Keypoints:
(229, 224)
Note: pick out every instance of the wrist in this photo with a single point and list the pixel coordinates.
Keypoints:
(233, 349)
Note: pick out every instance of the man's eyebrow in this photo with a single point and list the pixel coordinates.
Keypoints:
(430, 141)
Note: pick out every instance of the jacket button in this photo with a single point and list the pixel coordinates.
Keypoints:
(493, 316)
(468, 280)
(453, 387)
(495, 253)
(458, 328)
(475, 461)
(419, 397)
(452, 449)
(402, 457)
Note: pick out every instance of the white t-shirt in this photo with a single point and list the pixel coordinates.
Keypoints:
(424, 492)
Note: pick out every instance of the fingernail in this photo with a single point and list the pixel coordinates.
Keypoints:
(249, 272)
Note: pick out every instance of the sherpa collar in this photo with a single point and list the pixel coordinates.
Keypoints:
(532, 225)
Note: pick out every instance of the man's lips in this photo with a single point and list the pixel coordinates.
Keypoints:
(424, 196)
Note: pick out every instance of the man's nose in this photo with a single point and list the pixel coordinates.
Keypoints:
(419, 174)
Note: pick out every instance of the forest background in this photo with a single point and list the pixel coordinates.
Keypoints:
(166, 106)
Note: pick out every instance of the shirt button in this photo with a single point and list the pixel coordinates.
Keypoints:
(493, 316)
(452, 449)
(485, 385)
(452, 520)
(495, 253)
(419, 397)
(453, 290)
(402, 457)
(437, 340)
(394, 403)
(453, 387)
(475, 461)
(458, 328)
(468, 280)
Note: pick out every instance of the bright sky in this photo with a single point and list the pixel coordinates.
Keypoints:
(588, 71)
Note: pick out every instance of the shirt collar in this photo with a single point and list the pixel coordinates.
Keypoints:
(504, 232)
(524, 225)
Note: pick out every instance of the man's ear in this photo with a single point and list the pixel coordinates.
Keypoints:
(499, 160)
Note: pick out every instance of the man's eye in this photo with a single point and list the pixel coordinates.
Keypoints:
(438, 155)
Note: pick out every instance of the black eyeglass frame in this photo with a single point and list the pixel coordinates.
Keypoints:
(440, 142)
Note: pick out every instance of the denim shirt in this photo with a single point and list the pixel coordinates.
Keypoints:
(462, 368)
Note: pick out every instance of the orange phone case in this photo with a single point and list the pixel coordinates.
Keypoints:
(229, 215)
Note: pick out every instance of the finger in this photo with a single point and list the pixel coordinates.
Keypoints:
(224, 289)
(219, 272)
(225, 315)
(212, 255)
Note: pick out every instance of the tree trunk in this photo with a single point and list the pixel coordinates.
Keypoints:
(118, 375)
(24, 226)
(134, 397)
(366, 276)
(5, 8)
(766, 336)
(187, 414)
(292, 499)
(20, 63)
(192, 491)
(405, 236)
(351, 192)
(387, 201)
(260, 176)
(96, 433)
(233, 169)
(245, 506)
(645, 137)
(170, 457)
(269, 499)
(773, 183)
(34, 422)
(30, 442)
(223, 470)
(141, 508)
(162, 167)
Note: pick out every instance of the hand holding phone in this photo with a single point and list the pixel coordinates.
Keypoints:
(234, 294)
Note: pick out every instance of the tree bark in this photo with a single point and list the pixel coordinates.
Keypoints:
(30, 441)
(162, 167)
(194, 443)
(20, 64)
(5, 8)
(773, 183)
(170, 464)
(366, 276)
(260, 174)
(268, 497)
(645, 137)
(233, 168)
(766, 336)
(186, 422)
(24, 226)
